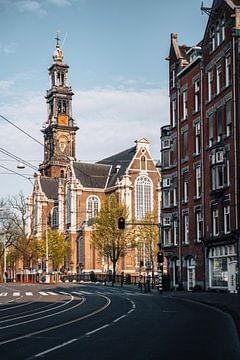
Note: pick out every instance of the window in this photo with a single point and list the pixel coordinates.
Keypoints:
(55, 217)
(228, 118)
(217, 34)
(197, 138)
(166, 143)
(198, 181)
(186, 228)
(228, 70)
(174, 191)
(143, 190)
(184, 97)
(210, 85)
(212, 38)
(219, 124)
(217, 177)
(218, 78)
(197, 95)
(93, 204)
(198, 226)
(174, 151)
(167, 221)
(215, 222)
(185, 145)
(174, 113)
(185, 187)
(167, 236)
(166, 182)
(166, 198)
(210, 130)
(175, 232)
(165, 158)
(226, 219)
(173, 74)
(143, 163)
(222, 30)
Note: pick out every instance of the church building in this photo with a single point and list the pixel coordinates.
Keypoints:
(67, 193)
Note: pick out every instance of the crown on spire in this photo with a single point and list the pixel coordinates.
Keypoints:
(58, 56)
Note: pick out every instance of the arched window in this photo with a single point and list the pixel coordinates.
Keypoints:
(143, 163)
(93, 205)
(55, 218)
(143, 191)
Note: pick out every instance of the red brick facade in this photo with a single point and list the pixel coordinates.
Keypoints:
(200, 157)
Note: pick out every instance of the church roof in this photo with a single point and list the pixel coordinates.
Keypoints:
(49, 187)
(119, 164)
(91, 175)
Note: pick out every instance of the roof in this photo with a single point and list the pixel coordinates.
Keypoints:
(119, 164)
(49, 187)
(91, 175)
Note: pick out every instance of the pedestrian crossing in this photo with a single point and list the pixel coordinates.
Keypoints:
(29, 294)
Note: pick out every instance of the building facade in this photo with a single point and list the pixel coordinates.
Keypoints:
(200, 156)
(68, 194)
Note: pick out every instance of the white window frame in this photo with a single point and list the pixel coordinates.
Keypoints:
(215, 222)
(198, 226)
(227, 219)
(166, 198)
(92, 206)
(198, 181)
(218, 78)
(166, 182)
(210, 85)
(175, 226)
(197, 95)
(185, 189)
(173, 112)
(184, 103)
(167, 236)
(143, 196)
(186, 228)
(197, 138)
(228, 70)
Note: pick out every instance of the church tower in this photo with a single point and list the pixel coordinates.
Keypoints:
(60, 128)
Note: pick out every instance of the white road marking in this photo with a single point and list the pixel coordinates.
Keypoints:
(16, 294)
(28, 293)
(98, 329)
(55, 348)
(52, 293)
(120, 318)
(43, 293)
(3, 294)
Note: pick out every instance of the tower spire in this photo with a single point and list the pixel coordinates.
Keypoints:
(58, 55)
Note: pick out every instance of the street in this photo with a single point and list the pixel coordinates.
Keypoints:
(102, 322)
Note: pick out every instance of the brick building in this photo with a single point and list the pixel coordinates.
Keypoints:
(67, 193)
(200, 156)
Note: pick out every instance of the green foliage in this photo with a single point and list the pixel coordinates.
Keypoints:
(57, 247)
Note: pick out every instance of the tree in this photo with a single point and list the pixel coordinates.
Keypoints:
(17, 231)
(147, 240)
(57, 247)
(110, 241)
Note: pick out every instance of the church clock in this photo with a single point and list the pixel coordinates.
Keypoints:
(60, 129)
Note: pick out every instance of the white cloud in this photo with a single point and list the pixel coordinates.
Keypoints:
(6, 86)
(31, 6)
(60, 3)
(109, 121)
(8, 48)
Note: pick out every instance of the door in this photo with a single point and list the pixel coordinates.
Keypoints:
(232, 274)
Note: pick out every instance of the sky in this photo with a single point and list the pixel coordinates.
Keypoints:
(116, 51)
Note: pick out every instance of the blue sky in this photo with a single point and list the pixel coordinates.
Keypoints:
(116, 51)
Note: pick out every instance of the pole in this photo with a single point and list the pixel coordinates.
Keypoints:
(4, 260)
(46, 249)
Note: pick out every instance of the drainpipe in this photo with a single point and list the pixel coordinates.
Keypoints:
(179, 187)
(235, 37)
(203, 172)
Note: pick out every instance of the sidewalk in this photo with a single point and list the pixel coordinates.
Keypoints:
(229, 303)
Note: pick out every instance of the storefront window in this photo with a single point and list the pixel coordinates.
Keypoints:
(219, 272)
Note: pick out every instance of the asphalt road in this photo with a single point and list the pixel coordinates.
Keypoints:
(88, 322)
